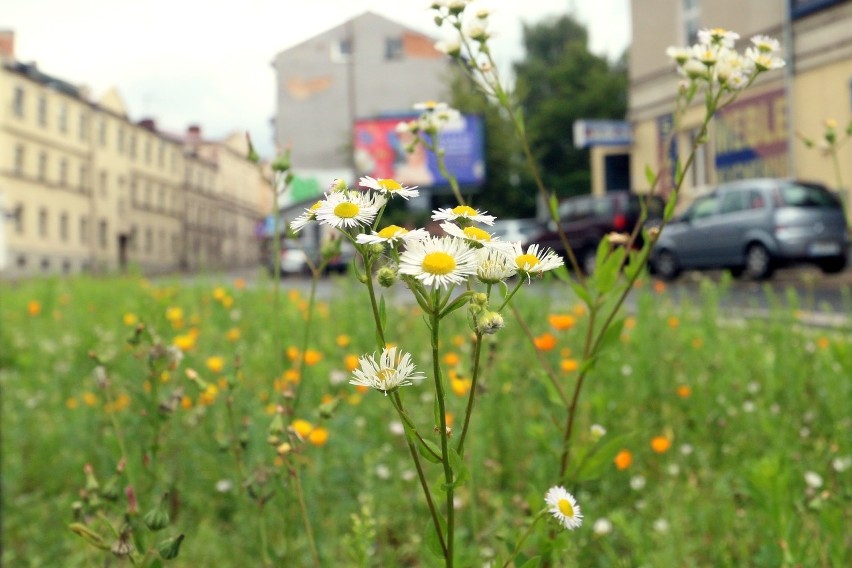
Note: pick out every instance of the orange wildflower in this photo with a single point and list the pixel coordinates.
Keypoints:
(342, 340)
(545, 342)
(561, 322)
(697, 342)
(460, 386)
(684, 391)
(579, 310)
(240, 283)
(71, 403)
(629, 322)
(351, 362)
(623, 459)
(292, 353)
(215, 364)
(130, 319)
(302, 427)
(673, 322)
(660, 444)
(823, 342)
(659, 286)
(458, 340)
(184, 342)
(291, 376)
(569, 365)
(452, 359)
(312, 357)
(219, 293)
(233, 334)
(318, 436)
(186, 403)
(34, 307)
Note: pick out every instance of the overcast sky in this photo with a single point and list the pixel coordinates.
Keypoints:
(208, 61)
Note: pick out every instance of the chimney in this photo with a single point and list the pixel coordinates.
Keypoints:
(193, 131)
(7, 44)
(148, 124)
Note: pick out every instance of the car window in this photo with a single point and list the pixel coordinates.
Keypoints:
(806, 195)
(601, 207)
(733, 201)
(756, 200)
(703, 207)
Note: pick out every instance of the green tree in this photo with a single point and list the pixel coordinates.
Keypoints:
(560, 81)
(507, 190)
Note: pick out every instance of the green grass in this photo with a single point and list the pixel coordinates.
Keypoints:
(768, 400)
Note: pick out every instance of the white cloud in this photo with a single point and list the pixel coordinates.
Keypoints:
(188, 61)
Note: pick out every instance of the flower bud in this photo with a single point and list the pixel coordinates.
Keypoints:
(490, 323)
(377, 248)
(157, 518)
(386, 277)
(169, 548)
(480, 299)
(338, 185)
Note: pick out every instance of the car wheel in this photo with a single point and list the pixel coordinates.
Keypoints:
(666, 265)
(758, 262)
(832, 265)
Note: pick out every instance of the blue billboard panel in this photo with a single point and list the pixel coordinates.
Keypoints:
(381, 152)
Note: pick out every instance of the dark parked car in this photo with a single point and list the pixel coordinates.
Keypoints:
(753, 226)
(294, 259)
(587, 219)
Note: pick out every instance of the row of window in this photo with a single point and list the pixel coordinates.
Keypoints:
(126, 139)
(63, 228)
(61, 175)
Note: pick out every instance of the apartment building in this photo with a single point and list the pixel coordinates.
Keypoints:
(87, 189)
(365, 67)
(759, 135)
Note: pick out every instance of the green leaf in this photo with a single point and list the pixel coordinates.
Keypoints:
(678, 172)
(612, 334)
(598, 459)
(533, 562)
(553, 204)
(461, 473)
(427, 455)
(608, 268)
(581, 291)
(650, 176)
(671, 203)
(433, 542)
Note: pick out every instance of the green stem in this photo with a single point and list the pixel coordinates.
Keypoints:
(264, 539)
(304, 509)
(305, 338)
(477, 351)
(442, 417)
(524, 537)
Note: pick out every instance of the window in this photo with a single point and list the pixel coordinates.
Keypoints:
(161, 154)
(103, 184)
(161, 198)
(690, 18)
(703, 207)
(84, 178)
(42, 166)
(132, 145)
(84, 230)
(42, 111)
(19, 219)
(84, 126)
(147, 151)
(147, 201)
(732, 202)
(18, 102)
(19, 160)
(63, 118)
(102, 132)
(342, 50)
(42, 222)
(393, 48)
(102, 233)
(149, 239)
(133, 191)
(63, 172)
(63, 227)
(120, 140)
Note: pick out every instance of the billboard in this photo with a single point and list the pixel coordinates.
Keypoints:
(751, 138)
(380, 152)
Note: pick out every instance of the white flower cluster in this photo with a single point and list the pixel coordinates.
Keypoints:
(715, 61)
(471, 32)
(434, 117)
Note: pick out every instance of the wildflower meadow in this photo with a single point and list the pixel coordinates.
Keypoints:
(454, 401)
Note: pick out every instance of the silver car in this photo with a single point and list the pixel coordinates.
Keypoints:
(752, 227)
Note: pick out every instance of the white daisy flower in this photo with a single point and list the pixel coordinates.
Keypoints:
(534, 260)
(391, 371)
(564, 507)
(438, 261)
(392, 234)
(462, 212)
(346, 209)
(308, 215)
(474, 235)
(389, 187)
(766, 44)
(763, 61)
(602, 526)
(494, 265)
(718, 36)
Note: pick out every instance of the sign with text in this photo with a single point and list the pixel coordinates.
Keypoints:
(602, 133)
(751, 138)
(381, 152)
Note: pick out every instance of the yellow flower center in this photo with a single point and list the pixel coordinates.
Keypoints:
(384, 376)
(316, 205)
(391, 231)
(346, 210)
(476, 234)
(464, 210)
(438, 263)
(565, 507)
(389, 184)
(528, 260)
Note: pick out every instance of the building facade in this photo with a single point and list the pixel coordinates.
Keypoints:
(761, 134)
(86, 189)
(368, 66)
